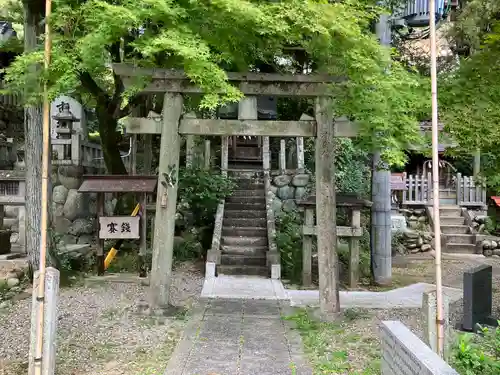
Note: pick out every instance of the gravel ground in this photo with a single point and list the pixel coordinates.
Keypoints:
(99, 332)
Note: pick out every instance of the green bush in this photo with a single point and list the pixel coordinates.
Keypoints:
(289, 243)
(478, 354)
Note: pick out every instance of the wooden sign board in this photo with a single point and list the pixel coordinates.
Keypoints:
(119, 227)
(398, 182)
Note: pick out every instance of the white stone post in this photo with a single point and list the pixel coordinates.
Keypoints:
(49, 322)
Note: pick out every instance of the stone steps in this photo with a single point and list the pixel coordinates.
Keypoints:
(251, 199)
(452, 220)
(243, 270)
(243, 260)
(257, 222)
(244, 250)
(244, 231)
(450, 210)
(244, 214)
(232, 206)
(460, 238)
(249, 193)
(460, 248)
(454, 229)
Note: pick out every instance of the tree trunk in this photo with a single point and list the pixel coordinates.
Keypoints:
(109, 141)
(33, 133)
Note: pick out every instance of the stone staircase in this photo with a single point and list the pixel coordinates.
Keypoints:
(457, 233)
(244, 242)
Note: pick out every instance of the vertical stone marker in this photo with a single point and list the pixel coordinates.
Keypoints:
(429, 309)
(52, 277)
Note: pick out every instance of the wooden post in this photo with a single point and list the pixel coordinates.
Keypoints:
(190, 143)
(354, 249)
(161, 270)
(300, 145)
(266, 155)
(100, 242)
(148, 152)
(144, 236)
(282, 155)
(2, 215)
(224, 155)
(307, 243)
(326, 209)
(133, 155)
(206, 155)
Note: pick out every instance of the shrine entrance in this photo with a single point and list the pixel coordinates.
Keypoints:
(173, 123)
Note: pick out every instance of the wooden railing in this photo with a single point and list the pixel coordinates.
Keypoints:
(464, 190)
(470, 192)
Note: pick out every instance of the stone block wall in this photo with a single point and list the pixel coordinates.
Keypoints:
(286, 188)
(403, 353)
(418, 236)
(74, 214)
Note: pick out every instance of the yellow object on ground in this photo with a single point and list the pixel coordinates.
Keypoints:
(112, 252)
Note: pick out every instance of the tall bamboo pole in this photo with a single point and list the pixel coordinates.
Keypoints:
(45, 191)
(435, 182)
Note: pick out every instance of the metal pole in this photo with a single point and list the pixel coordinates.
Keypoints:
(435, 182)
(381, 249)
(45, 195)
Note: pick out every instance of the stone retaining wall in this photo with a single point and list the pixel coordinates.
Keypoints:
(74, 214)
(286, 187)
(403, 353)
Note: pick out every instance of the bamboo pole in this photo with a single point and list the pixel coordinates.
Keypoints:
(435, 182)
(45, 192)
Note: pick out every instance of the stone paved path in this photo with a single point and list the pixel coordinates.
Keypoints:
(239, 337)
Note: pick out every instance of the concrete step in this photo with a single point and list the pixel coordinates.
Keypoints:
(460, 238)
(450, 210)
(460, 248)
(447, 201)
(245, 175)
(244, 250)
(246, 199)
(245, 214)
(243, 260)
(249, 193)
(243, 241)
(243, 270)
(244, 232)
(454, 229)
(253, 206)
(452, 220)
(260, 222)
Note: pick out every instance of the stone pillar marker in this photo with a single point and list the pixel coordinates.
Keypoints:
(52, 277)
(429, 310)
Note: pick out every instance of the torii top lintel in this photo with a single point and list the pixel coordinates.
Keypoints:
(168, 80)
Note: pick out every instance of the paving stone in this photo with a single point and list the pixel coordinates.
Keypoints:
(224, 307)
(210, 367)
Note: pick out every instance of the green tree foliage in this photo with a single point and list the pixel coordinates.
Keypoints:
(469, 96)
(207, 38)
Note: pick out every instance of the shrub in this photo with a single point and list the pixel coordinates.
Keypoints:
(289, 243)
(478, 353)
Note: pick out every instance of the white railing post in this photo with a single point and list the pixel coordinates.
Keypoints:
(459, 189)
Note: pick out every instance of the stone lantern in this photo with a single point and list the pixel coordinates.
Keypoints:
(64, 130)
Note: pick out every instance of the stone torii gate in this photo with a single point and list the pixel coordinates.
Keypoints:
(172, 124)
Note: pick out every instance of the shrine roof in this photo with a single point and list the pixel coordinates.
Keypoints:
(118, 184)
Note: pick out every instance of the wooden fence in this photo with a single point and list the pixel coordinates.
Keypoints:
(463, 190)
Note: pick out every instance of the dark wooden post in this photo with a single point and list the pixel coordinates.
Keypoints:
(307, 248)
(144, 232)
(354, 248)
(100, 242)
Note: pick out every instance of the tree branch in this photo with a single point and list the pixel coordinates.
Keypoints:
(91, 85)
(114, 51)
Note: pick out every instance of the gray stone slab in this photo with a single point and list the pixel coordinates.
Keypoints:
(210, 367)
(225, 307)
(261, 308)
(266, 365)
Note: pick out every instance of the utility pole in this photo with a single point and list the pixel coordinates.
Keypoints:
(381, 240)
